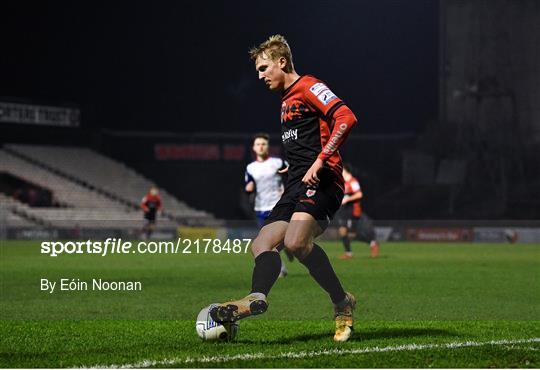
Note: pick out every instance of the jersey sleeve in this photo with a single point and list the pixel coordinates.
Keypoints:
(355, 186)
(321, 98)
(144, 207)
(284, 164)
(248, 178)
(343, 121)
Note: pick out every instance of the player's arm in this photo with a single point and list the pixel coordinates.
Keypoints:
(322, 99)
(249, 183)
(356, 195)
(344, 120)
(144, 207)
(353, 197)
(284, 167)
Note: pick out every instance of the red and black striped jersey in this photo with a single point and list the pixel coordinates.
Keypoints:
(314, 123)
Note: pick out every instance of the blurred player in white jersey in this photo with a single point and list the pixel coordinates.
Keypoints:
(264, 177)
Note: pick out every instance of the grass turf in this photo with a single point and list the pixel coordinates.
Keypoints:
(414, 294)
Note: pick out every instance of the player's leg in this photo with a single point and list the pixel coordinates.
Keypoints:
(283, 271)
(366, 232)
(151, 227)
(262, 216)
(265, 273)
(344, 234)
(148, 227)
(143, 230)
(341, 218)
(281, 247)
(289, 255)
(268, 264)
(299, 237)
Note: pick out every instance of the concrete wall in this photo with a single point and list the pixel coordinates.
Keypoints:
(490, 67)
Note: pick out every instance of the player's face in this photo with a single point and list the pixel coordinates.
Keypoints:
(260, 147)
(271, 71)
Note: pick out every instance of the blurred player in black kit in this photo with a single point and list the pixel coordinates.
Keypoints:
(151, 205)
(352, 219)
(314, 124)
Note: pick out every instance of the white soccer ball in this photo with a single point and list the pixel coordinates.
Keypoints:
(208, 329)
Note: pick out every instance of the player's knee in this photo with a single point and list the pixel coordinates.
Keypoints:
(296, 245)
(343, 231)
(258, 246)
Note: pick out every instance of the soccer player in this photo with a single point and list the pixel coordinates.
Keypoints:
(351, 217)
(314, 124)
(151, 204)
(264, 176)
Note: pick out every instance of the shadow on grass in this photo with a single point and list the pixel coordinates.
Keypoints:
(383, 333)
(361, 336)
(290, 340)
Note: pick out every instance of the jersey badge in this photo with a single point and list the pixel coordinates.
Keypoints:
(310, 192)
(323, 93)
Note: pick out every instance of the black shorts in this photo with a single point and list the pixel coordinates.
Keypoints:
(321, 202)
(362, 226)
(150, 217)
(344, 218)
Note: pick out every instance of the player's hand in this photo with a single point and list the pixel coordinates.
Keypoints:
(285, 170)
(311, 177)
(250, 187)
(345, 200)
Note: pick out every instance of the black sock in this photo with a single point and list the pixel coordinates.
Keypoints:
(346, 243)
(266, 271)
(320, 268)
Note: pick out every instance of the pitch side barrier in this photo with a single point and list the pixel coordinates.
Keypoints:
(481, 231)
(499, 231)
(37, 233)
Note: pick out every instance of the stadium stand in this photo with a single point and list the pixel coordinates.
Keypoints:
(18, 214)
(103, 174)
(91, 190)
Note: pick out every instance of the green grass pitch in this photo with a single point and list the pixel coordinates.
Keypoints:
(419, 305)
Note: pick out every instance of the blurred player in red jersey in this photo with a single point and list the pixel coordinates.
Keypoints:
(314, 124)
(351, 217)
(151, 205)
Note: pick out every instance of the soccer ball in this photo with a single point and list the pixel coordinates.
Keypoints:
(209, 330)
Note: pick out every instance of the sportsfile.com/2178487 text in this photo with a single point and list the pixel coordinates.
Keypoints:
(119, 246)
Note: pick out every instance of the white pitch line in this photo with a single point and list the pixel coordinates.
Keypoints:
(306, 354)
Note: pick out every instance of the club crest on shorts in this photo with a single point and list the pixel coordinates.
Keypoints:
(310, 192)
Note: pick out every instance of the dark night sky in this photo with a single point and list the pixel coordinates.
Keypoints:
(184, 67)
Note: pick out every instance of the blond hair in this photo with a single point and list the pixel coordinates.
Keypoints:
(275, 47)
